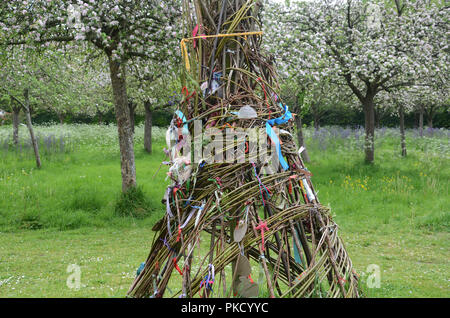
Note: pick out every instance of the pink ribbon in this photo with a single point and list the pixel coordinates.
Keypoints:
(262, 227)
(194, 34)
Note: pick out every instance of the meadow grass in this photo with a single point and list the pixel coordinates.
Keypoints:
(394, 213)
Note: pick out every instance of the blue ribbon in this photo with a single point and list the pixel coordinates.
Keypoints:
(273, 136)
(140, 269)
(297, 256)
(183, 118)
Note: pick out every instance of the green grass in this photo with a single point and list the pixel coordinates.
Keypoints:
(394, 213)
(74, 189)
(34, 263)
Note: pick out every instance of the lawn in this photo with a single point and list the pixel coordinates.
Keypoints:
(394, 214)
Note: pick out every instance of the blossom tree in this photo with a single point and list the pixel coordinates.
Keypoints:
(368, 46)
(121, 29)
(153, 89)
(67, 87)
(400, 102)
(431, 96)
(20, 73)
(321, 97)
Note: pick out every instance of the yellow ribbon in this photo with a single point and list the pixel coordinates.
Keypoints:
(184, 51)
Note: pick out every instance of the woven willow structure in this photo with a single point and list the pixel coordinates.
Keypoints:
(239, 229)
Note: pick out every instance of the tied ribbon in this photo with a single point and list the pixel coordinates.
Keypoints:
(290, 182)
(194, 207)
(194, 34)
(176, 266)
(304, 192)
(227, 125)
(168, 210)
(166, 244)
(208, 281)
(261, 186)
(273, 136)
(217, 181)
(179, 233)
(181, 116)
(262, 226)
(176, 189)
(185, 91)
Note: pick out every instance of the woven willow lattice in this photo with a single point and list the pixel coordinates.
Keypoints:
(238, 229)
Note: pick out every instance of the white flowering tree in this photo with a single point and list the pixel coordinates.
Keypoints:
(431, 96)
(322, 97)
(67, 87)
(20, 72)
(121, 29)
(367, 46)
(399, 102)
(94, 85)
(153, 87)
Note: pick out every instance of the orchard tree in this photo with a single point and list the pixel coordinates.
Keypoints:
(368, 46)
(121, 29)
(400, 102)
(430, 97)
(153, 89)
(92, 85)
(438, 101)
(63, 87)
(21, 72)
(322, 97)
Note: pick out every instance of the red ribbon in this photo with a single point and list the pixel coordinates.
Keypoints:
(185, 91)
(290, 182)
(179, 233)
(176, 189)
(176, 266)
(262, 227)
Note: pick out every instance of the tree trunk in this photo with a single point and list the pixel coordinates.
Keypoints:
(30, 128)
(127, 162)
(301, 142)
(316, 116)
(430, 115)
(16, 122)
(132, 108)
(379, 115)
(369, 125)
(316, 124)
(148, 127)
(402, 130)
(421, 110)
(61, 118)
